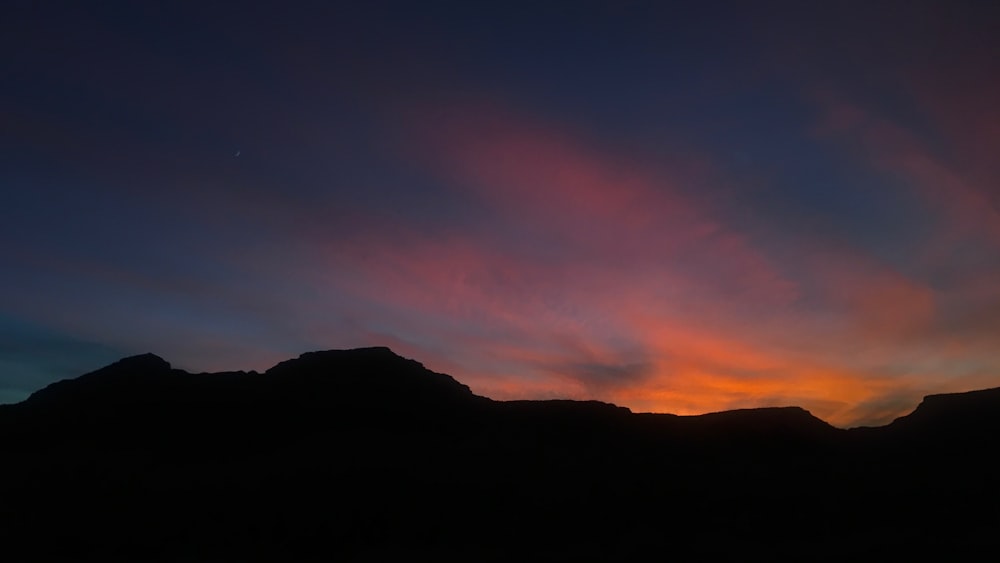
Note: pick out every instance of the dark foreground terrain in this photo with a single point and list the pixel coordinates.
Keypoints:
(362, 455)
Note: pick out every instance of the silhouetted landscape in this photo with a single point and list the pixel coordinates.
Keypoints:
(361, 455)
(682, 206)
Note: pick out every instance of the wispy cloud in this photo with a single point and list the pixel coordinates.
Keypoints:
(585, 274)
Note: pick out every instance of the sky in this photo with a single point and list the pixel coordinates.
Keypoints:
(678, 207)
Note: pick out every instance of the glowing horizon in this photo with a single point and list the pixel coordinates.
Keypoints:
(697, 216)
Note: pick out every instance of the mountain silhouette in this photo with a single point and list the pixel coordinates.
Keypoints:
(362, 455)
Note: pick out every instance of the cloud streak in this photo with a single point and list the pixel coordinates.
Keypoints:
(585, 274)
(808, 215)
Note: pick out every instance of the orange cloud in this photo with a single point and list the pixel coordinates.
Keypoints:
(586, 275)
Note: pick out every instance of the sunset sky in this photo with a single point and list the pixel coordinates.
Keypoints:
(676, 207)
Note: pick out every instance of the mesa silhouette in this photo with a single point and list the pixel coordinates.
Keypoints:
(361, 455)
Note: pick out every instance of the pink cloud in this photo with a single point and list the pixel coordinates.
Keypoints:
(966, 199)
(640, 294)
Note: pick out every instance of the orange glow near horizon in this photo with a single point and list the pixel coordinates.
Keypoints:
(610, 282)
(584, 208)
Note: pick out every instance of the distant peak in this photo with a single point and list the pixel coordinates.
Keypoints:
(369, 350)
(952, 407)
(375, 349)
(145, 361)
(373, 355)
(978, 394)
(375, 372)
(126, 371)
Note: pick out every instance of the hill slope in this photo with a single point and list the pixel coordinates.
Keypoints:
(364, 455)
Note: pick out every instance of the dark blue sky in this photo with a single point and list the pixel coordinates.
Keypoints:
(677, 207)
